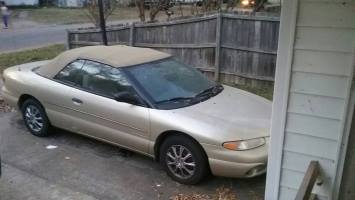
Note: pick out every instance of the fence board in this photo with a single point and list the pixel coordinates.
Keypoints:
(241, 48)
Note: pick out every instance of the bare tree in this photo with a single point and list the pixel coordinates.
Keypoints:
(259, 4)
(141, 9)
(92, 10)
(211, 5)
(232, 4)
(156, 6)
(180, 9)
(194, 8)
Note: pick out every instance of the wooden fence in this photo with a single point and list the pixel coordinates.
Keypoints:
(229, 48)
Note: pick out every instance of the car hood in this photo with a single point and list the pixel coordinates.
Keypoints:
(231, 115)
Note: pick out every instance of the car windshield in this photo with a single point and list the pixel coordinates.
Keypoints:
(172, 84)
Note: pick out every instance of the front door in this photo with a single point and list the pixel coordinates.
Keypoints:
(99, 115)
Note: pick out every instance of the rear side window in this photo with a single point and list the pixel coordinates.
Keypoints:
(71, 74)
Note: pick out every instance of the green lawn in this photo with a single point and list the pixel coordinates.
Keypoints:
(55, 15)
(16, 58)
(264, 91)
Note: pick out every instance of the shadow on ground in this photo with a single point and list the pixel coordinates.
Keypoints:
(82, 168)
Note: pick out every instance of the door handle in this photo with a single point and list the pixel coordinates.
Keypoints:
(77, 101)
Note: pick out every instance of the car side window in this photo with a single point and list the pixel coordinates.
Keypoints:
(71, 74)
(104, 80)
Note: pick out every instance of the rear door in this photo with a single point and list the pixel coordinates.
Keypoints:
(99, 115)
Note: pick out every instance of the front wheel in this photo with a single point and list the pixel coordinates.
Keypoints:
(35, 118)
(183, 159)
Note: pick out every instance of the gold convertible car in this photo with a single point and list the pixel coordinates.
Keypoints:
(146, 101)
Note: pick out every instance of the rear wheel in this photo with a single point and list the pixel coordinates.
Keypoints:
(35, 118)
(183, 160)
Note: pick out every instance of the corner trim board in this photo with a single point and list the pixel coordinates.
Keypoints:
(281, 94)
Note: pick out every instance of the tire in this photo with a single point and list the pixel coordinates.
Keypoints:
(35, 118)
(179, 169)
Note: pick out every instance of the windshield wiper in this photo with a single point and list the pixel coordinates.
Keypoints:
(175, 99)
(209, 91)
(212, 90)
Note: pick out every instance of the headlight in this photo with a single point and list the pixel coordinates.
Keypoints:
(244, 144)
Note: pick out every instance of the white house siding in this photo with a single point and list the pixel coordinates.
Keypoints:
(21, 2)
(70, 3)
(321, 73)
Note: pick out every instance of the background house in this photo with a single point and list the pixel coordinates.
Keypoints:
(70, 3)
(81, 3)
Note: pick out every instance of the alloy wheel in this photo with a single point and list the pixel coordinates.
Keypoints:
(180, 161)
(33, 118)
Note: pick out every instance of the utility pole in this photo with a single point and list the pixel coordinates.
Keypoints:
(102, 22)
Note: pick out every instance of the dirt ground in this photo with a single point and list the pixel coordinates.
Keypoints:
(4, 108)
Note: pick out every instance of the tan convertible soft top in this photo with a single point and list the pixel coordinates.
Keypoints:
(116, 56)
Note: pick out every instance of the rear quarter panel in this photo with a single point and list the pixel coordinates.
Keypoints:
(21, 80)
(15, 83)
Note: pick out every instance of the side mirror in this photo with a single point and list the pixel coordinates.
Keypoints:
(128, 97)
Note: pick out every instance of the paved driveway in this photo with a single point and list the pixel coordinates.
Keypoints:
(82, 168)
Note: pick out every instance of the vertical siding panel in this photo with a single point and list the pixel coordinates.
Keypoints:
(316, 105)
(299, 162)
(324, 39)
(313, 146)
(309, 125)
(335, 85)
(327, 62)
(339, 15)
(287, 193)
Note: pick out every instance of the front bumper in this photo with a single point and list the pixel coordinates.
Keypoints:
(237, 164)
(236, 170)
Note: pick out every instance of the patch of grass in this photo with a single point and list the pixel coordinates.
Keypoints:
(264, 91)
(16, 58)
(52, 15)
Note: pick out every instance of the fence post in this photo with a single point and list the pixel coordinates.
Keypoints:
(131, 35)
(218, 45)
(255, 67)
